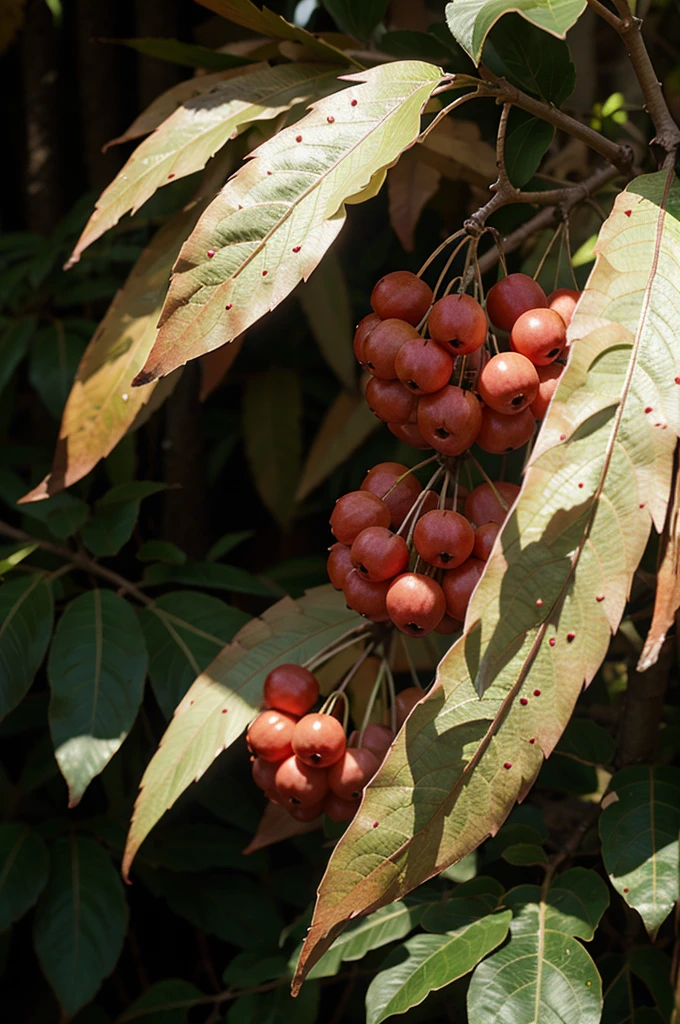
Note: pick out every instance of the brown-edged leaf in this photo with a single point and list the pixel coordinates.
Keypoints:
(667, 600)
(410, 186)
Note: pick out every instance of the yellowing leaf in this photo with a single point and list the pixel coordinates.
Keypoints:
(410, 186)
(274, 220)
(457, 150)
(667, 599)
(347, 424)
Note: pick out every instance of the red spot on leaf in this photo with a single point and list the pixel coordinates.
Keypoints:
(296, 248)
(375, 824)
(677, 380)
(298, 138)
(330, 119)
(571, 637)
(537, 693)
(539, 602)
(224, 711)
(600, 597)
(563, 437)
(228, 306)
(580, 485)
(626, 890)
(210, 253)
(354, 103)
(507, 765)
(551, 641)
(649, 409)
(532, 740)
(628, 212)
(264, 273)
(170, 176)
(523, 701)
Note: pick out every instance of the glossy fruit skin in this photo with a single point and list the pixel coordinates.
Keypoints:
(485, 535)
(458, 323)
(348, 776)
(319, 740)
(366, 598)
(548, 377)
(339, 564)
(299, 785)
(270, 735)
(405, 701)
(339, 810)
(290, 688)
(416, 604)
(450, 419)
(377, 738)
(383, 344)
(444, 538)
(540, 335)
(306, 813)
(409, 433)
(508, 383)
(458, 585)
(390, 400)
(423, 366)
(264, 772)
(500, 434)
(482, 505)
(380, 480)
(401, 294)
(448, 626)
(512, 296)
(364, 328)
(563, 301)
(356, 511)
(378, 554)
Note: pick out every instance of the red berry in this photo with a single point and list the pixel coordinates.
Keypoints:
(508, 383)
(348, 776)
(306, 813)
(364, 328)
(356, 511)
(390, 400)
(548, 377)
(423, 366)
(378, 554)
(540, 335)
(382, 347)
(366, 598)
(403, 295)
(377, 738)
(482, 505)
(563, 301)
(339, 564)
(299, 785)
(290, 688)
(381, 479)
(319, 740)
(512, 296)
(264, 772)
(447, 626)
(444, 538)
(410, 434)
(415, 603)
(500, 434)
(270, 735)
(458, 322)
(485, 536)
(450, 419)
(405, 701)
(458, 585)
(340, 810)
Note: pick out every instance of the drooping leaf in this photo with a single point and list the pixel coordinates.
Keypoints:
(226, 696)
(411, 183)
(667, 597)
(24, 863)
(165, 1002)
(115, 516)
(528, 57)
(326, 304)
(26, 615)
(540, 621)
(96, 669)
(470, 20)
(639, 831)
(196, 130)
(187, 54)
(345, 427)
(526, 143)
(272, 414)
(184, 631)
(274, 220)
(80, 921)
(358, 20)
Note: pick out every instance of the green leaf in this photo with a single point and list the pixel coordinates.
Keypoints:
(166, 1002)
(96, 669)
(471, 20)
(227, 543)
(80, 921)
(196, 130)
(541, 619)
(407, 44)
(272, 413)
(526, 143)
(186, 54)
(26, 615)
(227, 695)
(326, 304)
(586, 741)
(537, 62)
(14, 342)
(524, 854)
(55, 355)
(347, 424)
(161, 551)
(356, 19)
(14, 554)
(184, 631)
(639, 832)
(253, 967)
(654, 968)
(24, 864)
(199, 848)
(275, 218)
(276, 1007)
(116, 513)
(211, 575)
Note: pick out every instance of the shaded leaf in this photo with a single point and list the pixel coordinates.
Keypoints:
(654, 968)
(55, 354)
(272, 413)
(456, 149)
(408, 43)
(199, 848)
(216, 364)
(252, 967)
(410, 185)
(165, 1002)
(532, 59)
(276, 1007)
(115, 516)
(358, 20)
(345, 427)
(211, 575)
(667, 597)
(80, 921)
(161, 551)
(227, 543)
(26, 615)
(227, 695)
(96, 669)
(24, 863)
(276, 825)
(526, 143)
(14, 342)
(326, 304)
(471, 20)
(523, 854)
(276, 217)
(586, 741)
(187, 54)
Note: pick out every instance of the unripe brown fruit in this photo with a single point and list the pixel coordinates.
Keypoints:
(290, 688)
(423, 366)
(512, 296)
(563, 301)
(415, 603)
(540, 335)
(403, 295)
(339, 564)
(381, 479)
(366, 598)
(355, 512)
(390, 400)
(508, 383)
(409, 433)
(458, 323)
(270, 735)
(458, 585)
(443, 538)
(378, 554)
(450, 419)
(500, 434)
(405, 701)
(348, 776)
(299, 785)
(340, 810)
(319, 740)
(382, 347)
(548, 377)
(485, 535)
(364, 328)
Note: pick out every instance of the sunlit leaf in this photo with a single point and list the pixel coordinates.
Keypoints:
(410, 185)
(24, 863)
(14, 554)
(471, 20)
(26, 615)
(272, 415)
(345, 427)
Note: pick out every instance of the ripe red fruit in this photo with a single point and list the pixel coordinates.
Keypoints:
(366, 598)
(264, 772)
(485, 536)
(458, 585)
(401, 294)
(364, 328)
(348, 776)
(339, 564)
(447, 626)
(382, 347)
(356, 511)
(298, 784)
(443, 538)
(306, 813)
(548, 377)
(390, 400)
(508, 383)
(540, 335)
(381, 479)
(563, 301)
(377, 738)
(319, 740)
(378, 554)
(271, 734)
(512, 296)
(405, 701)
(409, 433)
(499, 434)
(482, 505)
(458, 322)
(340, 810)
(450, 419)
(290, 688)
(415, 603)
(423, 366)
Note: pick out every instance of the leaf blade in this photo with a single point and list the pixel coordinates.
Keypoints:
(26, 615)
